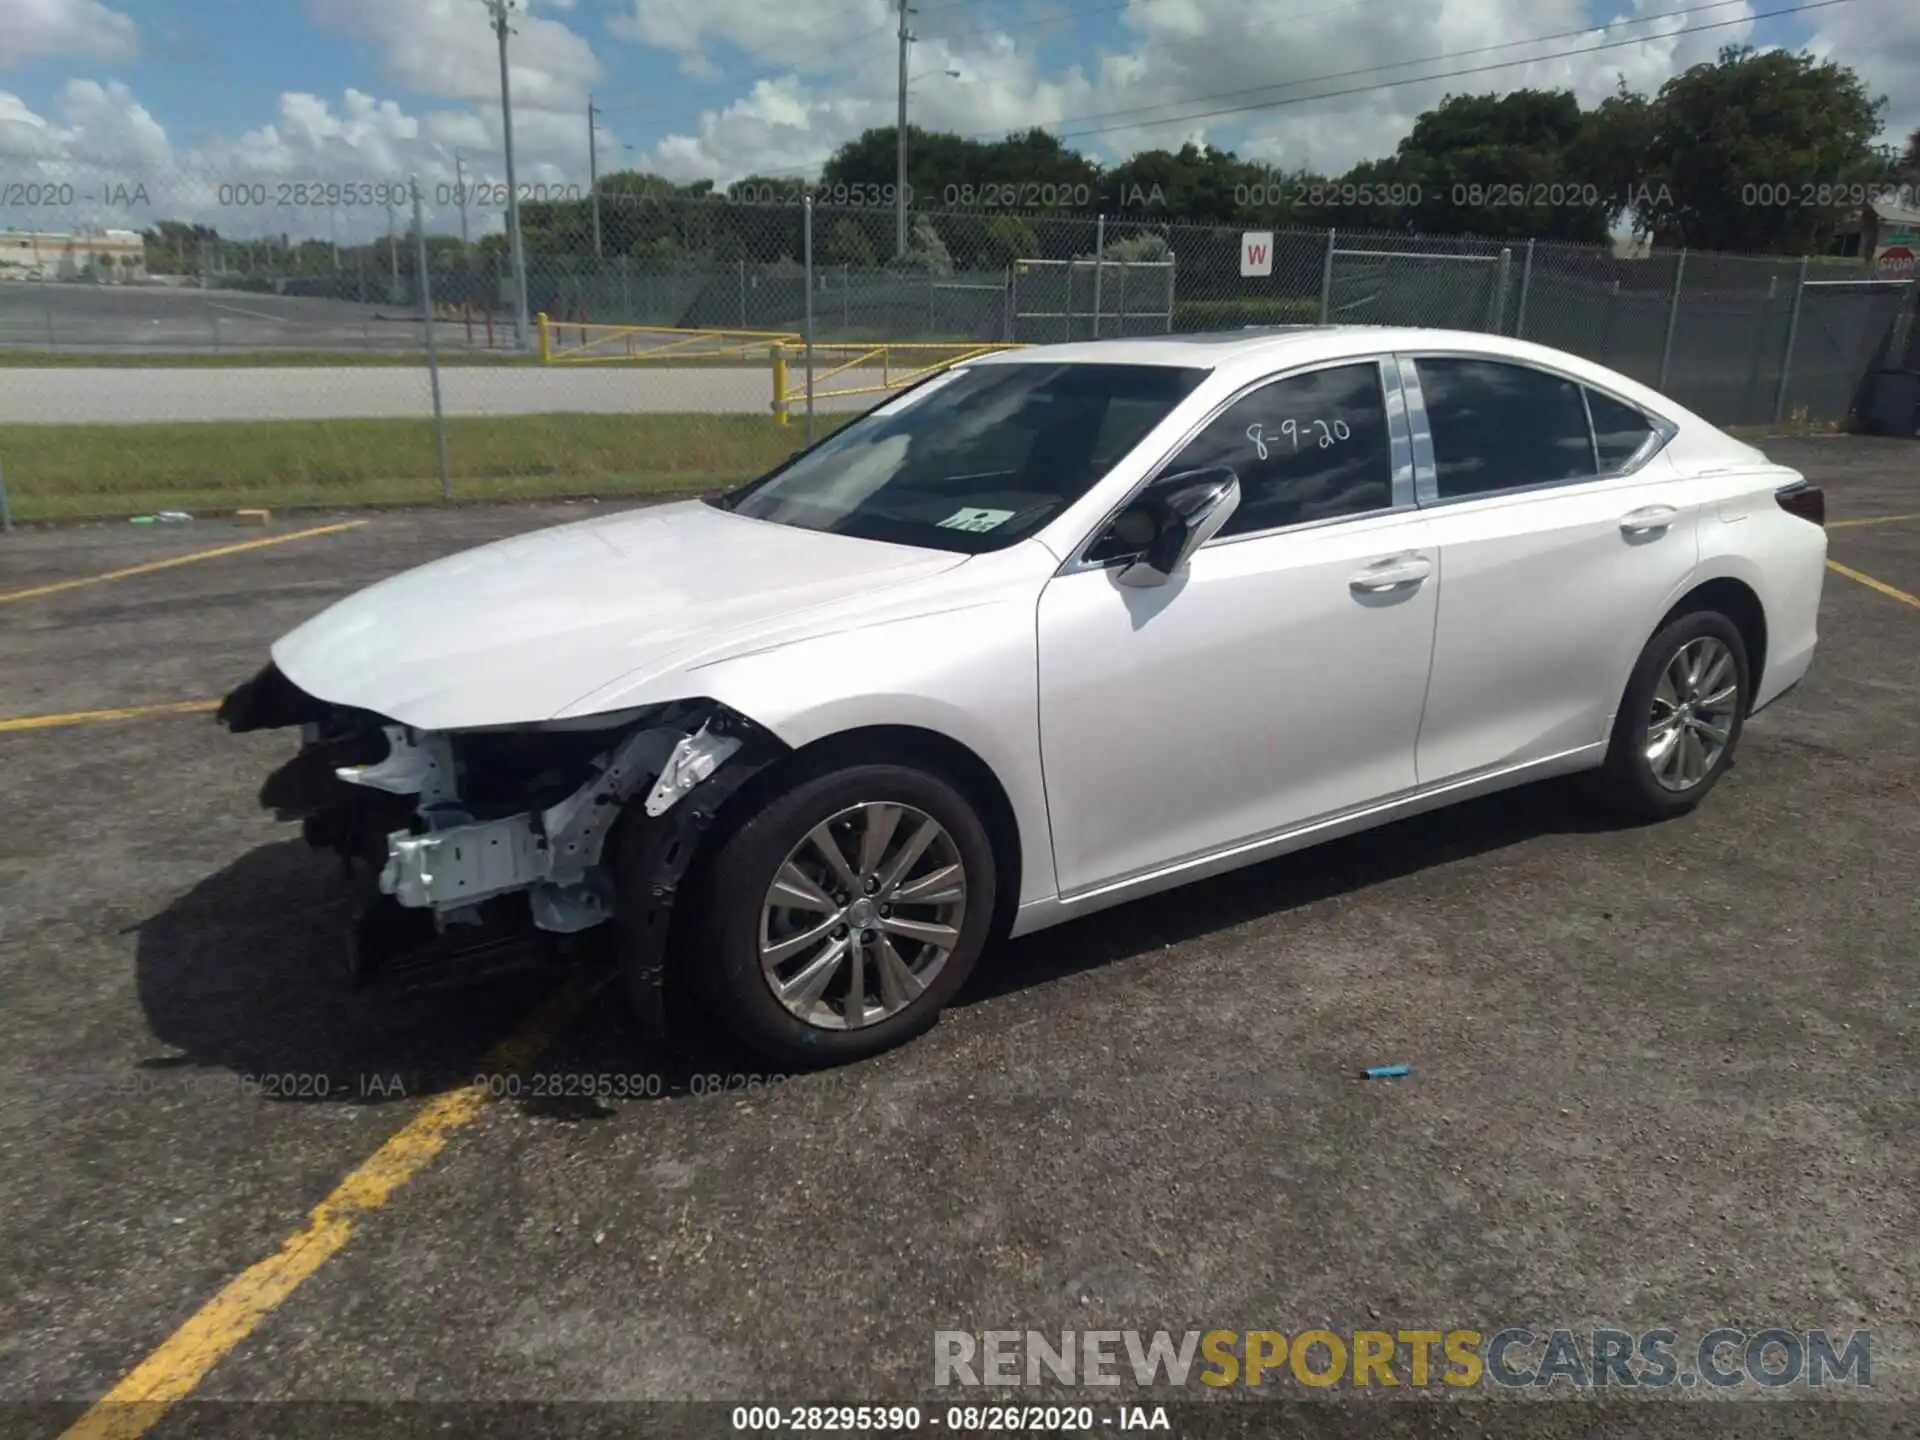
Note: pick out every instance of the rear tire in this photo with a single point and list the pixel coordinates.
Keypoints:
(1680, 719)
(895, 925)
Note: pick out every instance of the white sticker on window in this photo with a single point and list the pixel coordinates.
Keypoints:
(973, 519)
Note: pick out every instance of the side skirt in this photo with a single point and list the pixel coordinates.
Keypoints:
(1039, 914)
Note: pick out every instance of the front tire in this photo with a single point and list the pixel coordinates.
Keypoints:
(837, 921)
(1680, 719)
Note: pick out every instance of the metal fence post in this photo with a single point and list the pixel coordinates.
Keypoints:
(1673, 318)
(1503, 278)
(433, 343)
(1793, 335)
(806, 223)
(1526, 287)
(743, 292)
(6, 510)
(1099, 266)
(1326, 283)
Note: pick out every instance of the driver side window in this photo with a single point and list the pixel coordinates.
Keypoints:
(1309, 447)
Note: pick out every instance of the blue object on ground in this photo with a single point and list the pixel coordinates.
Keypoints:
(1389, 1072)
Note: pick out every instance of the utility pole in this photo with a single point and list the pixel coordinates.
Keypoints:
(393, 257)
(500, 10)
(460, 194)
(593, 173)
(900, 175)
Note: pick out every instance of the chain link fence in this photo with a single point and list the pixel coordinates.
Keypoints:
(190, 297)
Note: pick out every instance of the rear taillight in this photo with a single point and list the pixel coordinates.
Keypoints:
(1809, 502)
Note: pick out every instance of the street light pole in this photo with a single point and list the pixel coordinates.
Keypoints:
(900, 175)
(460, 194)
(500, 10)
(593, 173)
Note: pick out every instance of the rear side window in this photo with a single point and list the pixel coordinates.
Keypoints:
(1498, 426)
(1620, 432)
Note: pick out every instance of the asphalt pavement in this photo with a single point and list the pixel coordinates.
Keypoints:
(1660, 1075)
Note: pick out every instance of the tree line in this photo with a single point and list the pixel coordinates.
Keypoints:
(1759, 152)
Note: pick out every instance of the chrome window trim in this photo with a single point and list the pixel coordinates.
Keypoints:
(1401, 447)
(1426, 473)
(1593, 434)
(1427, 470)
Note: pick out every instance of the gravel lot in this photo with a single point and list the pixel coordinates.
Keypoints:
(1661, 1076)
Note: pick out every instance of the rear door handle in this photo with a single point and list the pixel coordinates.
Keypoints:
(1648, 520)
(1391, 574)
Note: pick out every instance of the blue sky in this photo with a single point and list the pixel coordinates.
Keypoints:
(190, 93)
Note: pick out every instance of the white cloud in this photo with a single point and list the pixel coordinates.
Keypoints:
(1178, 52)
(41, 29)
(1883, 43)
(807, 35)
(446, 49)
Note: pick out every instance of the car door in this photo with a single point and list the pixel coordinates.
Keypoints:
(1278, 677)
(1563, 535)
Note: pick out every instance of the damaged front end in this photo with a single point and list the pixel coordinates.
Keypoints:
(469, 844)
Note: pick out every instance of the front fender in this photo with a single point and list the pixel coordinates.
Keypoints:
(969, 673)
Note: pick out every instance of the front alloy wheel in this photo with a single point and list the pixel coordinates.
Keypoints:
(836, 920)
(862, 915)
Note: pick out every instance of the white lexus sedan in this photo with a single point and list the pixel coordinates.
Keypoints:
(1056, 629)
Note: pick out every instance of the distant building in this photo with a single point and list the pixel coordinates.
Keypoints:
(1885, 236)
(110, 257)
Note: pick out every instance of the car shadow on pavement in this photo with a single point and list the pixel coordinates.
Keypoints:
(1337, 867)
(242, 972)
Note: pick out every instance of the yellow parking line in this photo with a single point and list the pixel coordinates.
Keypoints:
(1873, 584)
(1871, 520)
(150, 566)
(171, 1372)
(88, 717)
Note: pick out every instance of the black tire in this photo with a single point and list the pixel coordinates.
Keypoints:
(724, 958)
(1627, 782)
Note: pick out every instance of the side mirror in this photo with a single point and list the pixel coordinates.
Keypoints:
(1191, 508)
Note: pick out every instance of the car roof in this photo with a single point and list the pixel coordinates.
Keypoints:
(1245, 355)
(1275, 344)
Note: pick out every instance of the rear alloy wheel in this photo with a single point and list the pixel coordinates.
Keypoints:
(844, 915)
(1695, 707)
(1680, 718)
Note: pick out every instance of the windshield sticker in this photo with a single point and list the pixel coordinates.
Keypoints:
(977, 520)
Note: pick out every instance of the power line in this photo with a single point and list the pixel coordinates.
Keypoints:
(1397, 64)
(1422, 79)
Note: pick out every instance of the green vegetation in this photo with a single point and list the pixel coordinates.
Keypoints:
(1248, 310)
(245, 359)
(72, 472)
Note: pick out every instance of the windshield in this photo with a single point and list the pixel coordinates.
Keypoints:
(978, 460)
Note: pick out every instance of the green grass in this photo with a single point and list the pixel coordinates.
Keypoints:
(754, 359)
(74, 472)
(248, 359)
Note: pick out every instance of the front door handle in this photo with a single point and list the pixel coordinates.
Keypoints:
(1391, 574)
(1648, 520)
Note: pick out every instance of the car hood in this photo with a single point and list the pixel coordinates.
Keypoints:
(521, 629)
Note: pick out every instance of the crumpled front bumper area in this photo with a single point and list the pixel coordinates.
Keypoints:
(449, 825)
(553, 853)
